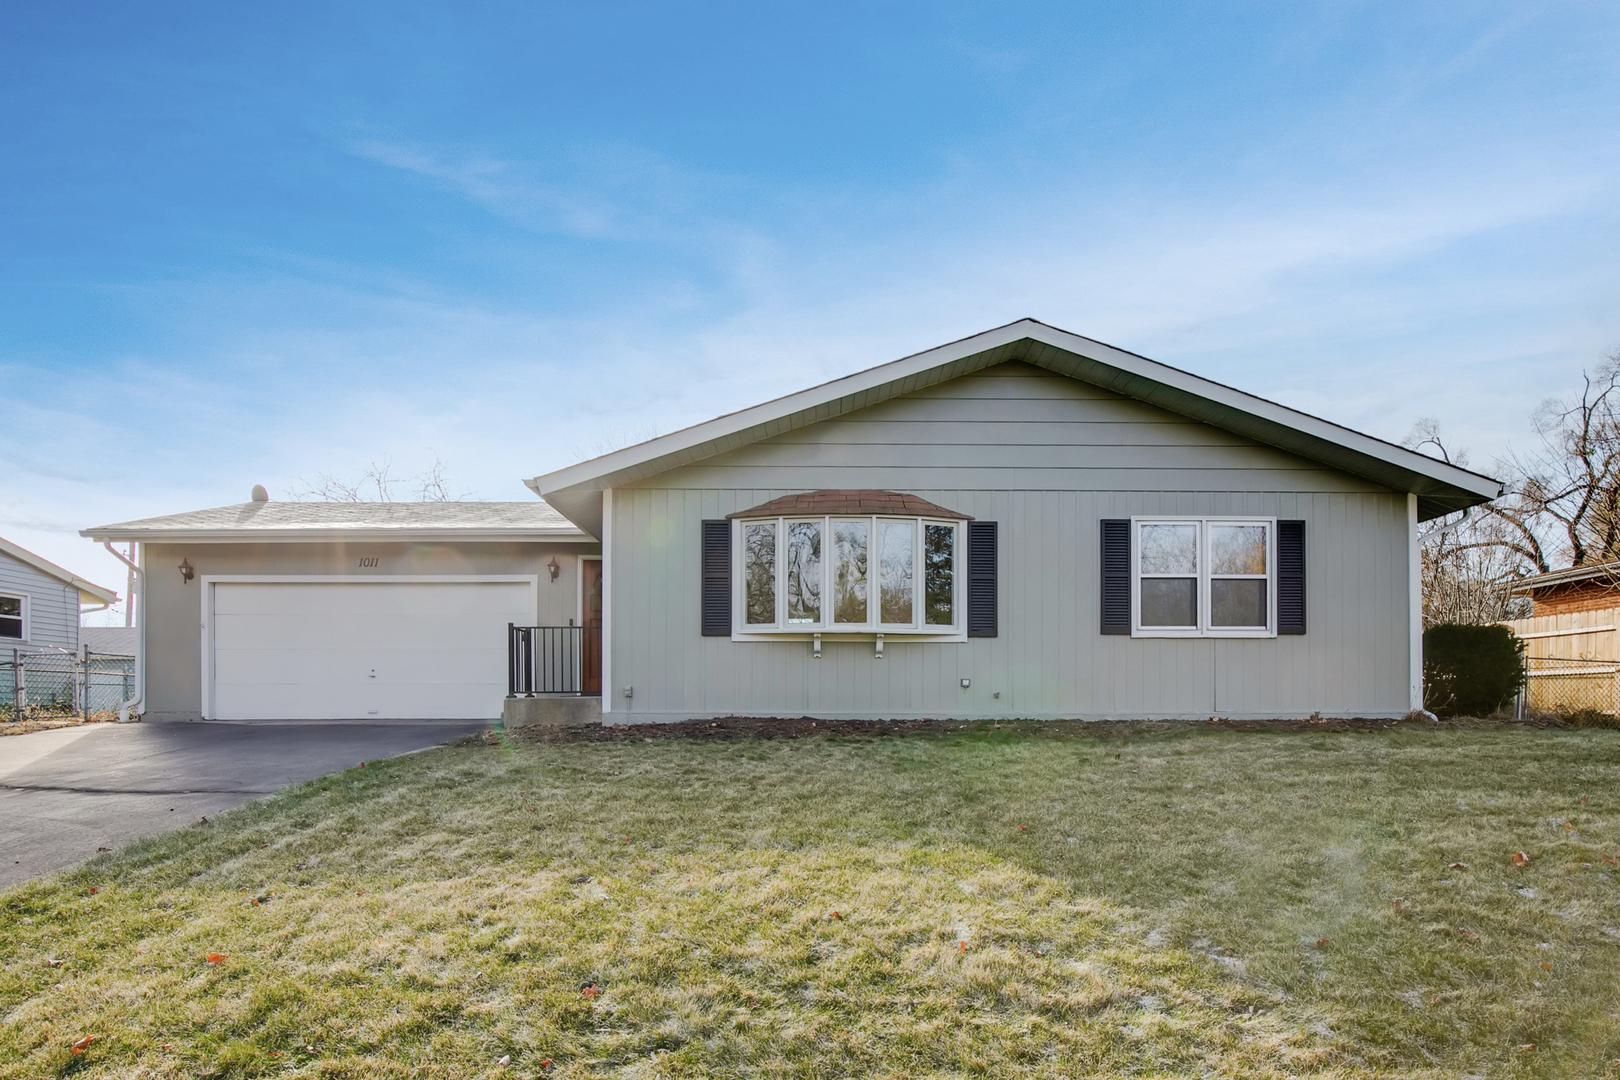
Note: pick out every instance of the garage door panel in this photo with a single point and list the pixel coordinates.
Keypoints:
(380, 631)
(357, 650)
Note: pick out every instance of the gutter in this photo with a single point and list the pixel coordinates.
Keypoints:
(139, 700)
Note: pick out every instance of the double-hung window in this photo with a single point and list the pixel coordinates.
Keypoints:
(11, 617)
(848, 574)
(1204, 577)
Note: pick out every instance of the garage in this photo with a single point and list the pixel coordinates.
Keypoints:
(371, 649)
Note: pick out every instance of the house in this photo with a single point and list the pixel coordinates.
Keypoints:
(1580, 588)
(40, 602)
(1572, 639)
(1024, 523)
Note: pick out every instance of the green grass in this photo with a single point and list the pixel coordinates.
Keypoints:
(1014, 900)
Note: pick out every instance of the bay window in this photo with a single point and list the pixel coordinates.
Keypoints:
(847, 574)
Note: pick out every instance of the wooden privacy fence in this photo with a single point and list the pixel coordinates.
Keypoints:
(1571, 660)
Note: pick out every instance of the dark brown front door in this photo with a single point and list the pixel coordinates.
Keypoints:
(591, 661)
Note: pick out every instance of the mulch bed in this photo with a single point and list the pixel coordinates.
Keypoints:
(742, 727)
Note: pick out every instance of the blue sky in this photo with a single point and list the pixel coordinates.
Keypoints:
(251, 243)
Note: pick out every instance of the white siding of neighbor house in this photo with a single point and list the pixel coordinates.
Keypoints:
(53, 606)
(1047, 457)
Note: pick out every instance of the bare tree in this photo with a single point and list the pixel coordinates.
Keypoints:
(378, 484)
(1471, 559)
(606, 442)
(1563, 499)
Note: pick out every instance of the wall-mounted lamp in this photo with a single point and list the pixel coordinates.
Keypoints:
(186, 571)
(554, 568)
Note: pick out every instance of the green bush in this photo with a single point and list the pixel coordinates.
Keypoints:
(1470, 670)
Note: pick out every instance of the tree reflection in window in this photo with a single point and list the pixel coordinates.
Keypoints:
(938, 583)
(802, 566)
(759, 567)
(849, 571)
(898, 570)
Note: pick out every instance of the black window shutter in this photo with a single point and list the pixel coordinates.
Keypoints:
(981, 578)
(717, 579)
(1116, 575)
(1290, 577)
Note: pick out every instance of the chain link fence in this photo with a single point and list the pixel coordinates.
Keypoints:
(52, 684)
(1579, 691)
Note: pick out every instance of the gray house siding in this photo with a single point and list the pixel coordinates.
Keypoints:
(173, 607)
(1047, 457)
(53, 606)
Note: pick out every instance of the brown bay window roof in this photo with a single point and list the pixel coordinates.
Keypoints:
(839, 501)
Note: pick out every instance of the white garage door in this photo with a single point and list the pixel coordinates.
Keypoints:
(383, 650)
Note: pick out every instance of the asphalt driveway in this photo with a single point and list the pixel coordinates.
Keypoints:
(66, 794)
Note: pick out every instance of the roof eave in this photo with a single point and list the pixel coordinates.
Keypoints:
(227, 536)
(67, 577)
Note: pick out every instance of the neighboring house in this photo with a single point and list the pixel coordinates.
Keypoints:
(1581, 588)
(1572, 638)
(1025, 523)
(108, 640)
(40, 602)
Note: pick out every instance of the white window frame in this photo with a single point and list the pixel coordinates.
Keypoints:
(1203, 629)
(25, 612)
(742, 630)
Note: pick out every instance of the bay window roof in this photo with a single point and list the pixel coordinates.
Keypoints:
(834, 501)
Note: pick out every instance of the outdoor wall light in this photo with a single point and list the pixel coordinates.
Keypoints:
(186, 571)
(966, 683)
(554, 568)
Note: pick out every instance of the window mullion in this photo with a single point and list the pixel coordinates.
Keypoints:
(1204, 591)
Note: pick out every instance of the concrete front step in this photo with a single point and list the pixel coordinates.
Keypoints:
(552, 711)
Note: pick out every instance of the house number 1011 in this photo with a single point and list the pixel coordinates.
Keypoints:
(369, 560)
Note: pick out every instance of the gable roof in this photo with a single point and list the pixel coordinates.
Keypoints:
(836, 501)
(1441, 488)
(313, 521)
(89, 592)
(1607, 573)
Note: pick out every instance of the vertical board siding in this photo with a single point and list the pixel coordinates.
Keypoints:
(53, 606)
(1005, 427)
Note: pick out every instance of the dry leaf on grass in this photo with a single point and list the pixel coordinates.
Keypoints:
(1520, 859)
(83, 1044)
(216, 958)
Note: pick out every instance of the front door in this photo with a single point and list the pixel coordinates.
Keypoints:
(591, 618)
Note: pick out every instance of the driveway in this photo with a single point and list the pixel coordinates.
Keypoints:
(64, 794)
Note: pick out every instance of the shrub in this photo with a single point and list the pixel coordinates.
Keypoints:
(1470, 670)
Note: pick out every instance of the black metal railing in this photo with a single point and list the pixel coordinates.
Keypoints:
(553, 660)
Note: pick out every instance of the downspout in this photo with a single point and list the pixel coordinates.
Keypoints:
(137, 588)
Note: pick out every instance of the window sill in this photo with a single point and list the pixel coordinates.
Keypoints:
(1139, 633)
(861, 634)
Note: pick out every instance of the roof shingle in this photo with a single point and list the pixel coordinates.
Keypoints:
(859, 501)
(270, 519)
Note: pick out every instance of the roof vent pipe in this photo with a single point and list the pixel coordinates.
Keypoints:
(259, 494)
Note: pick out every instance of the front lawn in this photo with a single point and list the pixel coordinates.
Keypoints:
(1056, 900)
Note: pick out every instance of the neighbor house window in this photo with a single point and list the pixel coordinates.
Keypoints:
(840, 574)
(11, 617)
(1205, 576)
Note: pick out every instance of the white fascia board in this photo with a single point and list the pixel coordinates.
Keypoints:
(959, 358)
(89, 592)
(327, 536)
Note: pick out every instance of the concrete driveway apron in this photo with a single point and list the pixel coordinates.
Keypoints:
(67, 793)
